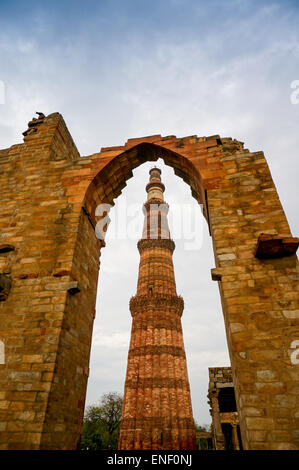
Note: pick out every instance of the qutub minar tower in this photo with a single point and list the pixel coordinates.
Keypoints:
(157, 410)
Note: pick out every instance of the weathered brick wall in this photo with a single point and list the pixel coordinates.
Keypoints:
(34, 212)
(260, 301)
(46, 327)
(219, 376)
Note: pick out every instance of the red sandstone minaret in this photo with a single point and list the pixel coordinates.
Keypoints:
(157, 411)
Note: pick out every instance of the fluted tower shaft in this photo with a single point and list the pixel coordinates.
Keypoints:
(157, 411)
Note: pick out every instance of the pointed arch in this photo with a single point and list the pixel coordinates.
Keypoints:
(108, 182)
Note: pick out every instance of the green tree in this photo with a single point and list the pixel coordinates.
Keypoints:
(202, 427)
(202, 443)
(101, 423)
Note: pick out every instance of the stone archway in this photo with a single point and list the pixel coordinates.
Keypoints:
(50, 251)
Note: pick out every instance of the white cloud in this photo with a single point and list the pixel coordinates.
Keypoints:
(114, 340)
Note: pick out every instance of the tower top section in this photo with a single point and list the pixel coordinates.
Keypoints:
(155, 188)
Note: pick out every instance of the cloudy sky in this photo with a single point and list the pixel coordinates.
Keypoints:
(117, 69)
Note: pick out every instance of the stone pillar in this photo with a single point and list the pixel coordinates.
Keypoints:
(219, 437)
(235, 437)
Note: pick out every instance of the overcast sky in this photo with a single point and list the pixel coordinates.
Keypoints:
(128, 68)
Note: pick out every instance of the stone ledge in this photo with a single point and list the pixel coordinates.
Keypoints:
(157, 382)
(157, 421)
(146, 243)
(275, 246)
(140, 303)
(156, 350)
(216, 274)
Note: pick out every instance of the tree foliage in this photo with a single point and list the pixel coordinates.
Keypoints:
(202, 427)
(202, 443)
(101, 423)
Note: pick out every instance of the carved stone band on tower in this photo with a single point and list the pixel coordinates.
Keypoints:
(157, 411)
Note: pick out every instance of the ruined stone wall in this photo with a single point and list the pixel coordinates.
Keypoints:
(260, 301)
(45, 327)
(48, 268)
(33, 222)
(221, 378)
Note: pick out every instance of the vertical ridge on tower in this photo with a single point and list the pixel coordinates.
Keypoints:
(157, 410)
